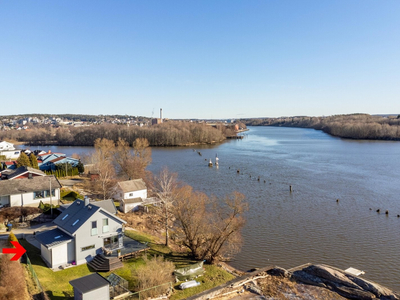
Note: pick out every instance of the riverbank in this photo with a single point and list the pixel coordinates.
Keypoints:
(354, 126)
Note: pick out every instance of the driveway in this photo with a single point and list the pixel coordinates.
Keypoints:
(27, 233)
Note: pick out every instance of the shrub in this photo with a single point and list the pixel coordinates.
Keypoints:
(154, 272)
(12, 238)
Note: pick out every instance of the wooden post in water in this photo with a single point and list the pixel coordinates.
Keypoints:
(290, 188)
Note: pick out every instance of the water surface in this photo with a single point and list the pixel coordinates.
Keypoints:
(307, 225)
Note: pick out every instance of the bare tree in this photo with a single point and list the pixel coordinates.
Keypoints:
(133, 165)
(209, 228)
(165, 183)
(102, 160)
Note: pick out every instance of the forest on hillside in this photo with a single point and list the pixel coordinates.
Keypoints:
(354, 126)
(165, 134)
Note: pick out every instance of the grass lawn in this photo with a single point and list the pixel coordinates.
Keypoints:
(57, 286)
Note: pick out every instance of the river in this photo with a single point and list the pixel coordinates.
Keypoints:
(308, 224)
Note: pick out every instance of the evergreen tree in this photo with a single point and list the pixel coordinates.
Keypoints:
(33, 161)
(23, 160)
(81, 167)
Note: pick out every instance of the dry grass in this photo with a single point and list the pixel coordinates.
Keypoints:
(12, 280)
(154, 272)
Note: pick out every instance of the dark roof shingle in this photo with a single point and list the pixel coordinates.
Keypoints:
(89, 283)
(53, 237)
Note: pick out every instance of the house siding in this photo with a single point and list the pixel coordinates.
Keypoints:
(83, 237)
(59, 256)
(102, 293)
(27, 198)
(46, 254)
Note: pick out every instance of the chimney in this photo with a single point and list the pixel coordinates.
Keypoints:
(161, 114)
(86, 200)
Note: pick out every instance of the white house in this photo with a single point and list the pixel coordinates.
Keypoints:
(7, 149)
(130, 194)
(83, 230)
(29, 191)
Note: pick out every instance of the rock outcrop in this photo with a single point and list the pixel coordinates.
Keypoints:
(344, 284)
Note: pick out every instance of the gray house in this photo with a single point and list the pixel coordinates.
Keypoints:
(83, 231)
(93, 286)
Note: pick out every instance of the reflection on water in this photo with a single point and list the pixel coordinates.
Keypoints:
(307, 225)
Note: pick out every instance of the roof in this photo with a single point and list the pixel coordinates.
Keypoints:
(53, 238)
(107, 205)
(132, 185)
(89, 283)
(26, 185)
(21, 170)
(77, 214)
(132, 200)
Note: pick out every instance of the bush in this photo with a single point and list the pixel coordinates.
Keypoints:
(154, 272)
(12, 238)
(70, 195)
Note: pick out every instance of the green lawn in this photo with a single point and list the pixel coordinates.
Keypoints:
(57, 286)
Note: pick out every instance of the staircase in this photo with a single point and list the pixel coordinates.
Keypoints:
(101, 263)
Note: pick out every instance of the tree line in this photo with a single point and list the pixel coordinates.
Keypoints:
(354, 126)
(166, 134)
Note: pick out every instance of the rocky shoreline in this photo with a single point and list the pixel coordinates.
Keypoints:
(314, 282)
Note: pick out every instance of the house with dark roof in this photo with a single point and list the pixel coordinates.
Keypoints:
(20, 173)
(83, 231)
(130, 194)
(30, 191)
(93, 286)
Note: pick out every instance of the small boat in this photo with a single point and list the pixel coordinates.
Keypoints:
(189, 284)
(210, 164)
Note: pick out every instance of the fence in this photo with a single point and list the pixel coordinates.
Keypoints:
(42, 293)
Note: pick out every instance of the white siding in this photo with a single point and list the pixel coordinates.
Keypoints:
(136, 194)
(59, 255)
(46, 254)
(83, 237)
(99, 294)
(27, 199)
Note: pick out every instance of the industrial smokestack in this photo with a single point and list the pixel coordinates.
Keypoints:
(161, 114)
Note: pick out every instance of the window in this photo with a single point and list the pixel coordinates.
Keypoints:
(53, 193)
(94, 228)
(73, 224)
(105, 225)
(130, 194)
(63, 218)
(38, 194)
(87, 248)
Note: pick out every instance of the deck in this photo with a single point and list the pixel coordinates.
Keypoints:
(131, 249)
(106, 263)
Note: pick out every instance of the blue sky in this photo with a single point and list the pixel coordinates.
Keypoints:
(200, 59)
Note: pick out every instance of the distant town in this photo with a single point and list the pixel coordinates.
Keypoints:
(24, 122)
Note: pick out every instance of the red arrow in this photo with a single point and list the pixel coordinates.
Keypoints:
(18, 250)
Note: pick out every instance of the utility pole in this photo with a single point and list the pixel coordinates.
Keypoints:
(51, 204)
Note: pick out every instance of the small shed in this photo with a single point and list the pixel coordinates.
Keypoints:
(93, 286)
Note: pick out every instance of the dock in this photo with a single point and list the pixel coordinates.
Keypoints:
(235, 137)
